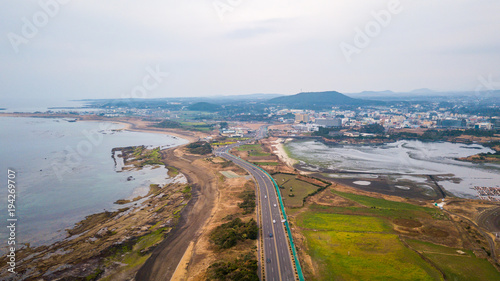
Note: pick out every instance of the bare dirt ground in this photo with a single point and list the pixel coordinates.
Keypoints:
(490, 219)
(384, 186)
(253, 126)
(165, 258)
(187, 252)
(204, 254)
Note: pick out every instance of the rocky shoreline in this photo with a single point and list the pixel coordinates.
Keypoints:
(110, 243)
(107, 243)
(113, 245)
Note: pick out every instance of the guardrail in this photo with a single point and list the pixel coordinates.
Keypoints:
(289, 232)
(297, 264)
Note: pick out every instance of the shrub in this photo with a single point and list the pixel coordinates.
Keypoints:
(242, 269)
(168, 124)
(199, 147)
(248, 204)
(228, 234)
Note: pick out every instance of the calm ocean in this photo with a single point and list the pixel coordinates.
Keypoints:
(65, 171)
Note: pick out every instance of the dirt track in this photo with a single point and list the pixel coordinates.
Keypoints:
(490, 219)
(165, 258)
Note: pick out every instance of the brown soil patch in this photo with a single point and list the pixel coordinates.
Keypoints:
(204, 253)
(349, 189)
(218, 160)
(311, 180)
(407, 223)
(434, 232)
(262, 158)
(204, 179)
(253, 126)
(328, 198)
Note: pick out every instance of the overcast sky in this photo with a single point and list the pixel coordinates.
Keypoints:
(107, 49)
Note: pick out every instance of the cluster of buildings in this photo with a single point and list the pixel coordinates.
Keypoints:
(396, 118)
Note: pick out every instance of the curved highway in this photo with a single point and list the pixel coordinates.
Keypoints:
(277, 258)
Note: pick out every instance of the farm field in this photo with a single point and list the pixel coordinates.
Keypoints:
(457, 264)
(197, 126)
(387, 208)
(359, 238)
(299, 189)
(347, 223)
(366, 256)
(253, 150)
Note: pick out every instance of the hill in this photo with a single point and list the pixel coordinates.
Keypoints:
(423, 91)
(317, 100)
(204, 106)
(247, 97)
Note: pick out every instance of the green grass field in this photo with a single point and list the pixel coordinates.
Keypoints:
(365, 256)
(266, 163)
(388, 208)
(236, 139)
(247, 147)
(358, 243)
(253, 150)
(337, 222)
(454, 265)
(300, 189)
(192, 123)
(197, 126)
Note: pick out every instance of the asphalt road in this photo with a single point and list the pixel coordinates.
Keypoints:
(278, 261)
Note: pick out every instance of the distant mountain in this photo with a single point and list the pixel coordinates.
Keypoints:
(367, 93)
(415, 95)
(318, 100)
(204, 106)
(422, 91)
(372, 94)
(248, 97)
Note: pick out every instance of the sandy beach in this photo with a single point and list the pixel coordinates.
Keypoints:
(281, 153)
(130, 123)
(138, 125)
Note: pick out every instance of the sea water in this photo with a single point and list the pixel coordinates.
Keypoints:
(65, 171)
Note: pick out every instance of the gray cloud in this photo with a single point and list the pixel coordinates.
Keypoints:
(93, 49)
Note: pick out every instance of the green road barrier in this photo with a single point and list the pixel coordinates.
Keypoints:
(296, 258)
(297, 264)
